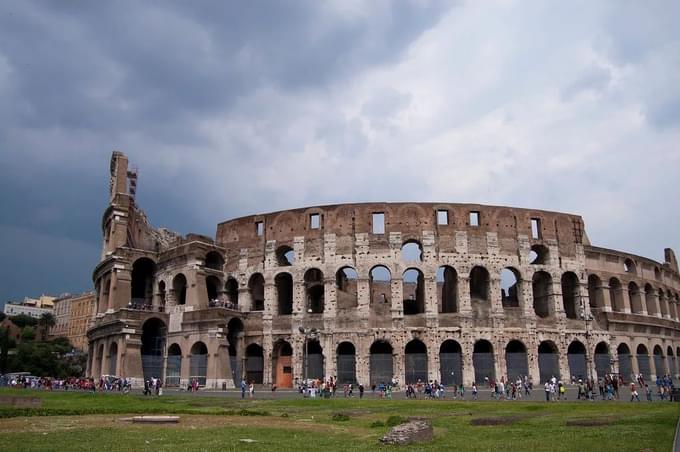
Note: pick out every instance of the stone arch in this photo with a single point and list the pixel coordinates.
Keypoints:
(100, 361)
(571, 295)
(642, 357)
(314, 291)
(663, 304)
(539, 255)
(346, 285)
(629, 266)
(254, 364)
(625, 359)
(659, 361)
(451, 363)
(161, 294)
(415, 359)
(511, 290)
(411, 251)
(198, 363)
(672, 363)
(616, 294)
(285, 256)
(113, 358)
(479, 292)
(541, 286)
(548, 361)
(636, 306)
(381, 363)
(282, 364)
(516, 362)
(447, 289)
(214, 260)
(235, 330)
(576, 357)
(413, 289)
(173, 369)
(256, 288)
(231, 292)
(602, 359)
(283, 283)
(595, 293)
(380, 285)
(346, 363)
(483, 361)
(179, 288)
(313, 358)
(141, 286)
(212, 286)
(650, 300)
(154, 333)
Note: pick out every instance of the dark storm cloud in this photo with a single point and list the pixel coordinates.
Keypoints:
(78, 79)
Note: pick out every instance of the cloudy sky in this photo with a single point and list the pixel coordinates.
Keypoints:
(234, 108)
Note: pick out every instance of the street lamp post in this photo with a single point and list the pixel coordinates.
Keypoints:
(308, 333)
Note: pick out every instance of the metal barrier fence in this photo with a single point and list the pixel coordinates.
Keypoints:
(577, 365)
(451, 368)
(173, 371)
(643, 366)
(516, 365)
(416, 367)
(347, 369)
(381, 368)
(548, 366)
(602, 364)
(626, 366)
(255, 369)
(198, 368)
(484, 366)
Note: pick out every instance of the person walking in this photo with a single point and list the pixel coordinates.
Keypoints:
(243, 388)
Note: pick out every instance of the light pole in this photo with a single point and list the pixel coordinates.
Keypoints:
(587, 317)
(312, 332)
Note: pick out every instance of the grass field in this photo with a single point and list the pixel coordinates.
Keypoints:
(80, 421)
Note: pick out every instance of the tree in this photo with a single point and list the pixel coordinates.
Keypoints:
(27, 334)
(46, 322)
(23, 320)
(2, 316)
(6, 343)
(48, 359)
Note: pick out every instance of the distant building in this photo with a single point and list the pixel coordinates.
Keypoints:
(72, 314)
(12, 309)
(14, 331)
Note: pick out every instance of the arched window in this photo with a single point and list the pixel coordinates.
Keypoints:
(451, 362)
(447, 289)
(179, 288)
(413, 291)
(625, 362)
(636, 305)
(411, 251)
(380, 285)
(214, 260)
(346, 280)
(576, 357)
(541, 285)
(483, 361)
(539, 255)
(198, 363)
(479, 292)
(517, 365)
(153, 345)
(314, 290)
(231, 291)
(173, 370)
(381, 365)
(415, 357)
(629, 266)
(595, 293)
(510, 287)
(254, 364)
(650, 300)
(548, 361)
(346, 359)
(284, 293)
(212, 284)
(143, 270)
(256, 288)
(570, 295)
(285, 256)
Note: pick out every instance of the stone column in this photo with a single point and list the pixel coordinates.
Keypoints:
(495, 296)
(468, 366)
(245, 299)
(267, 349)
(555, 297)
(465, 305)
(363, 298)
(397, 296)
(527, 298)
(329, 298)
(112, 290)
(606, 298)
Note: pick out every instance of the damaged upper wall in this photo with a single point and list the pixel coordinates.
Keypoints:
(502, 227)
(124, 224)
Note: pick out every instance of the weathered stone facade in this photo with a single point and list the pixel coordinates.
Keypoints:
(374, 291)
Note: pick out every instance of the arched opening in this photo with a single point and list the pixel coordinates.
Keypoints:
(576, 357)
(447, 289)
(616, 295)
(510, 287)
(539, 255)
(650, 300)
(235, 339)
(672, 364)
(282, 364)
(595, 293)
(570, 295)
(231, 292)
(284, 293)
(254, 364)
(173, 370)
(161, 295)
(602, 360)
(516, 363)
(179, 288)
(346, 363)
(198, 363)
(380, 280)
(256, 288)
(315, 360)
(451, 363)
(411, 251)
(214, 260)
(381, 370)
(541, 287)
(479, 292)
(657, 273)
(625, 359)
(212, 285)
(314, 291)
(141, 291)
(629, 266)
(483, 361)
(100, 361)
(635, 298)
(413, 284)
(153, 346)
(663, 306)
(659, 362)
(415, 357)
(643, 362)
(346, 280)
(113, 358)
(548, 361)
(285, 256)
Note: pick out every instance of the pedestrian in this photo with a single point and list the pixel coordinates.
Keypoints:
(251, 390)
(474, 391)
(361, 391)
(547, 391)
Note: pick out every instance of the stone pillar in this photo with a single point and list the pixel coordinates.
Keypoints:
(112, 291)
(363, 298)
(245, 299)
(197, 292)
(362, 357)
(267, 349)
(433, 367)
(329, 357)
(500, 365)
(121, 292)
(495, 296)
(527, 298)
(464, 295)
(329, 298)
(299, 298)
(606, 298)
(219, 368)
(532, 362)
(397, 295)
(556, 299)
(185, 369)
(468, 366)
(269, 299)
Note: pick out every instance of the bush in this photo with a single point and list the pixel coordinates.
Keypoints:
(394, 420)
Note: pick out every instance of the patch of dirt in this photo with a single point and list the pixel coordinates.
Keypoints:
(507, 420)
(20, 401)
(590, 422)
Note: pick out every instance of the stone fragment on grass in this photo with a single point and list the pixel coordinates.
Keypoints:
(415, 430)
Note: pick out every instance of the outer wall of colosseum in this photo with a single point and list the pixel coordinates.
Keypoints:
(405, 290)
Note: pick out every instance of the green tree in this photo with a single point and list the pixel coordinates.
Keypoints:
(23, 320)
(27, 334)
(47, 359)
(2, 316)
(6, 342)
(46, 322)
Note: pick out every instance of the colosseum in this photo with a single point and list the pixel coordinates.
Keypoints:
(374, 291)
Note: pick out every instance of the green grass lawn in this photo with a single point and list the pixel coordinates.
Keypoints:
(79, 421)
